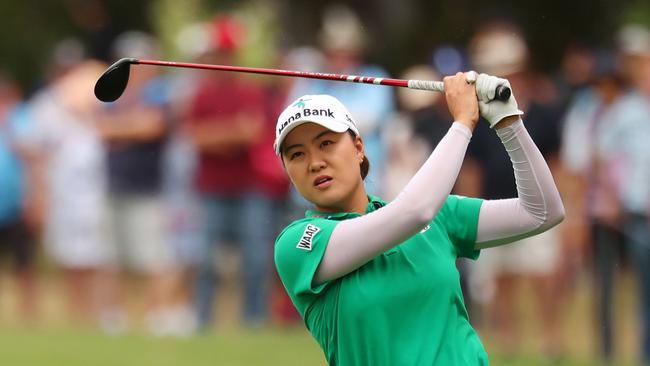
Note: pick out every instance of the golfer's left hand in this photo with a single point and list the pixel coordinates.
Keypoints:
(494, 111)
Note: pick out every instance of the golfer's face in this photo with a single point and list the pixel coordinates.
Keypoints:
(323, 165)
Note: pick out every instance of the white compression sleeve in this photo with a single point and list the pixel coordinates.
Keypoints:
(356, 241)
(538, 206)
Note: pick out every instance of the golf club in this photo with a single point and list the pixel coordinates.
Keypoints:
(113, 81)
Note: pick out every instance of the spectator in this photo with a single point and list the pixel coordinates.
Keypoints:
(575, 81)
(72, 154)
(342, 41)
(626, 152)
(135, 130)
(499, 48)
(16, 233)
(182, 215)
(586, 125)
(576, 71)
(227, 122)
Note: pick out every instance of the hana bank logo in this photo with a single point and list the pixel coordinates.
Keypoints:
(301, 103)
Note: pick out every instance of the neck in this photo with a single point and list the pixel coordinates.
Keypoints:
(356, 202)
(359, 201)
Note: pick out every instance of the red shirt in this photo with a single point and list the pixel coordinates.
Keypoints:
(269, 172)
(243, 170)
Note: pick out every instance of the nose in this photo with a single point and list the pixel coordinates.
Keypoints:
(316, 164)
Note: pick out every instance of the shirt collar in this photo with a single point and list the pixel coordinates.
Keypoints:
(374, 203)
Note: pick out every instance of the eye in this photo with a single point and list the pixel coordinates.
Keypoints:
(295, 155)
(326, 143)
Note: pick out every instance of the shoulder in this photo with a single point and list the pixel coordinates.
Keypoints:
(305, 238)
(455, 201)
(305, 230)
(299, 250)
(631, 109)
(459, 210)
(248, 88)
(459, 216)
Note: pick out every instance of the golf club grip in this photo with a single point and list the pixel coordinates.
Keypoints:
(502, 92)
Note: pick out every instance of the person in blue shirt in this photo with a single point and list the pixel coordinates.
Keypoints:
(15, 234)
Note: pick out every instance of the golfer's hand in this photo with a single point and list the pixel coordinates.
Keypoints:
(461, 99)
(495, 110)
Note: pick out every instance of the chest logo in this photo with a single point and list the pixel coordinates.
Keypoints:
(307, 236)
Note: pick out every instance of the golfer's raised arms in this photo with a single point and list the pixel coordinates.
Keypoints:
(356, 241)
(538, 206)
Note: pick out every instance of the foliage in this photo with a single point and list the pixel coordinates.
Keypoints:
(402, 32)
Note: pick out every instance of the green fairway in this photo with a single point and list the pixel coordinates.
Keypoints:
(51, 340)
(270, 346)
(76, 347)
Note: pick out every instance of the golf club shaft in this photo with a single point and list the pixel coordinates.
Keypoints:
(412, 84)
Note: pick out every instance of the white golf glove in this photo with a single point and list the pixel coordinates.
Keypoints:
(494, 110)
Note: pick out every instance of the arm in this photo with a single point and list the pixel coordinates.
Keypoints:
(35, 196)
(356, 241)
(538, 206)
(136, 125)
(213, 136)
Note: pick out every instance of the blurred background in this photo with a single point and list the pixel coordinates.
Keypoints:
(141, 231)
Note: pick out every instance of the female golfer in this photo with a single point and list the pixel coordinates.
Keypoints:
(376, 283)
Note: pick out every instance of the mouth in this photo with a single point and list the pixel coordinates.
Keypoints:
(323, 181)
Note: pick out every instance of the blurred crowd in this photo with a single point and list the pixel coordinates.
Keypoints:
(180, 170)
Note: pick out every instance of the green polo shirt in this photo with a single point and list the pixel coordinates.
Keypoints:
(404, 307)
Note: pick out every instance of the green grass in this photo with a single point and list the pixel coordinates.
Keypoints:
(269, 346)
(68, 347)
(51, 340)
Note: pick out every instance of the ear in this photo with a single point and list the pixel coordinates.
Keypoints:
(358, 144)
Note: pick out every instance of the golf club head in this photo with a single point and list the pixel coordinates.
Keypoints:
(113, 81)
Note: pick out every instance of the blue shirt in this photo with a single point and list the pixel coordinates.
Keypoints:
(11, 167)
(136, 167)
(627, 142)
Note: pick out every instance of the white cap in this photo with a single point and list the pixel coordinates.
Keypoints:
(324, 110)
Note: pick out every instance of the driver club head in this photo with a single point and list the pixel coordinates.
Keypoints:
(110, 86)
